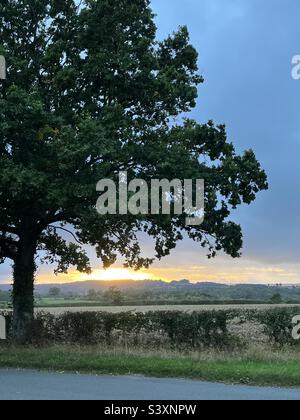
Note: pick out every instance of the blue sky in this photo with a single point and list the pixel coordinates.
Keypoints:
(245, 52)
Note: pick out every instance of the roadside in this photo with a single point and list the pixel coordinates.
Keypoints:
(53, 386)
(258, 366)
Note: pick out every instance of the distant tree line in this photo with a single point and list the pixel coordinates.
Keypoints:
(175, 294)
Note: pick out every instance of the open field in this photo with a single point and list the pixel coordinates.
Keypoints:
(257, 366)
(82, 306)
(185, 308)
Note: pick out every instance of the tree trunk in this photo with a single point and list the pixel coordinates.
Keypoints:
(23, 290)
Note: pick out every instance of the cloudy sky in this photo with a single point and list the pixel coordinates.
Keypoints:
(245, 53)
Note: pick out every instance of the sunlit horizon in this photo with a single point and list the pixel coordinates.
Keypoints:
(111, 274)
(116, 274)
(218, 271)
(242, 272)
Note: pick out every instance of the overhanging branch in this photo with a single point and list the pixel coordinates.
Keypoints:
(68, 231)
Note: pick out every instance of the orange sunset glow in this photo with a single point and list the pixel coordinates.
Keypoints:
(111, 274)
(224, 272)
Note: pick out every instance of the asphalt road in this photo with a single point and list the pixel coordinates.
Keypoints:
(29, 385)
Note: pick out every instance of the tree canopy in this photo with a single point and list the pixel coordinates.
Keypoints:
(90, 91)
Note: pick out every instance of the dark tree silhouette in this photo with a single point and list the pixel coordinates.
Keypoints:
(90, 92)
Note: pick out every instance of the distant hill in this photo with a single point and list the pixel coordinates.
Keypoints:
(184, 288)
(84, 287)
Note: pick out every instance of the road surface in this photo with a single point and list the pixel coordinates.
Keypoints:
(31, 385)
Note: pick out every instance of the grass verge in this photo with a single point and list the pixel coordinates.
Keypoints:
(252, 368)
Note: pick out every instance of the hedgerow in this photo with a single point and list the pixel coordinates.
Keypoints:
(167, 329)
(278, 325)
(172, 329)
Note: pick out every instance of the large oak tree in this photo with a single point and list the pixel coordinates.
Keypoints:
(90, 92)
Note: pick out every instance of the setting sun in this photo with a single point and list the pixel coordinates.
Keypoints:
(117, 274)
(114, 274)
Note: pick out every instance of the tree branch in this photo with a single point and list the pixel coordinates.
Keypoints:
(68, 231)
(9, 229)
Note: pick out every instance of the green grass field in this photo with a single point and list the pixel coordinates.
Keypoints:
(254, 367)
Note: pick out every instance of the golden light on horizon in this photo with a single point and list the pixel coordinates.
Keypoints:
(246, 272)
(115, 274)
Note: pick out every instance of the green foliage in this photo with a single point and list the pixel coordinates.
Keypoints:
(165, 329)
(54, 292)
(144, 293)
(175, 330)
(93, 295)
(5, 296)
(194, 330)
(262, 367)
(114, 296)
(90, 91)
(276, 299)
(278, 325)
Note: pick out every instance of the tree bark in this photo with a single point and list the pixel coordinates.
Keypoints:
(23, 289)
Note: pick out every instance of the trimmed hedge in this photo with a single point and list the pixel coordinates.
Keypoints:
(169, 329)
(278, 325)
(166, 329)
